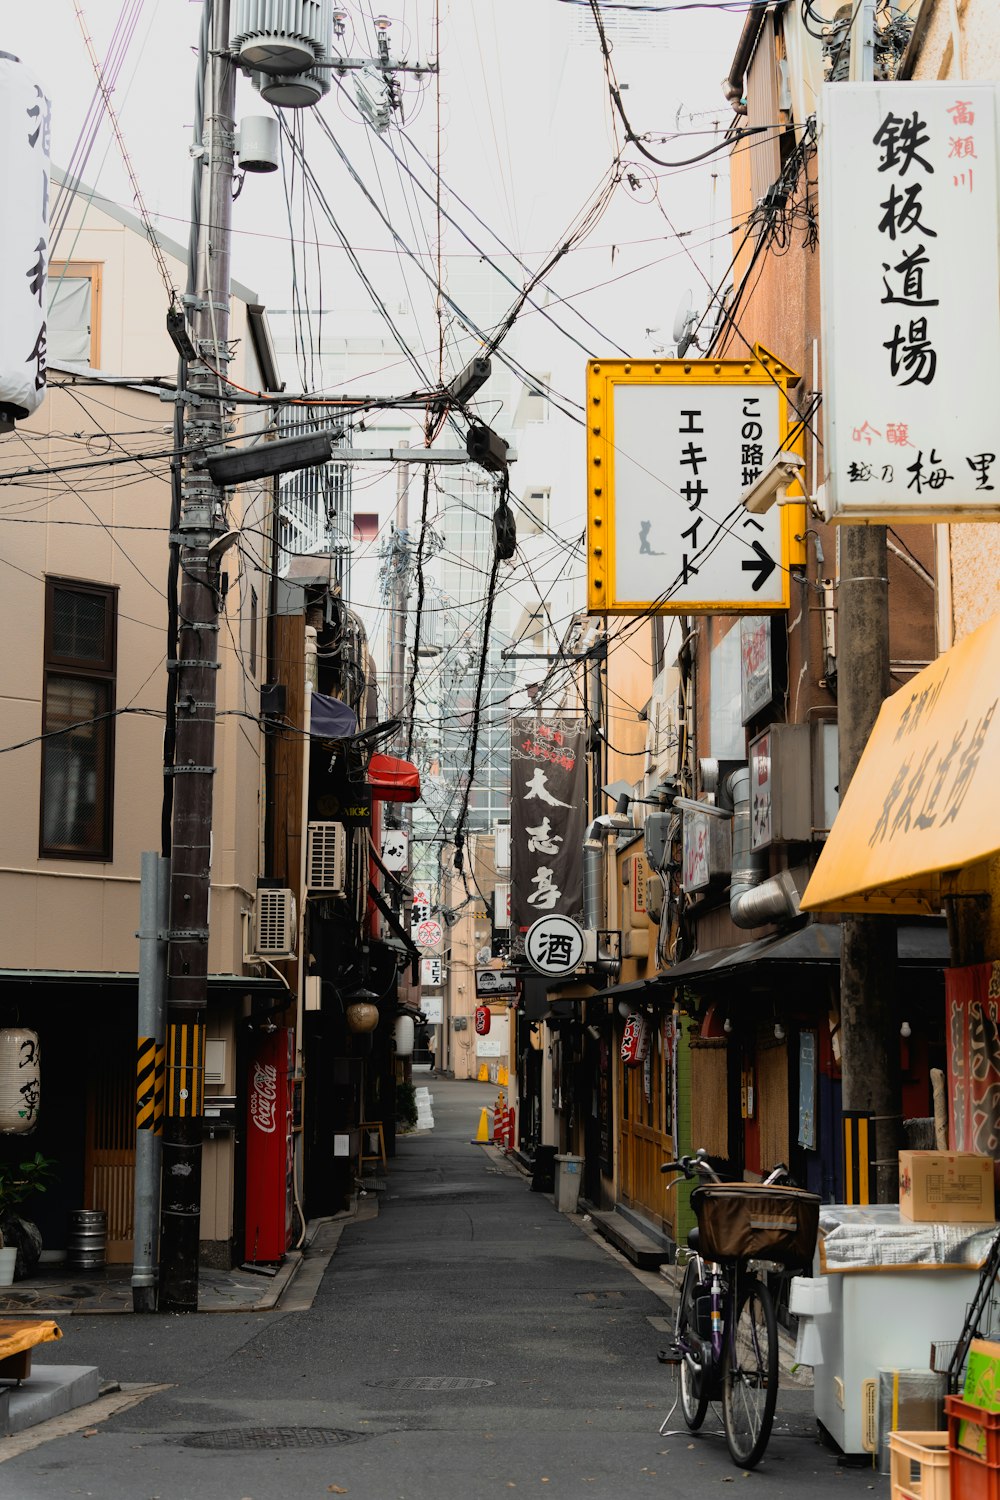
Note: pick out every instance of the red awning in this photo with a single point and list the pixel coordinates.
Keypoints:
(393, 780)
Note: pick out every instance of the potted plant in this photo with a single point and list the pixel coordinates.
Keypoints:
(19, 1236)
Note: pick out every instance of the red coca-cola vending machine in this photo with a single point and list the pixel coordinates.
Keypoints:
(270, 1200)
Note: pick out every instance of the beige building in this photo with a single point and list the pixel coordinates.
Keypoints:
(84, 568)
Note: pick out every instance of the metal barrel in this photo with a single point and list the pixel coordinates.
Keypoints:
(88, 1238)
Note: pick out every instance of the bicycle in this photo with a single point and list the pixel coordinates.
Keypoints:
(726, 1332)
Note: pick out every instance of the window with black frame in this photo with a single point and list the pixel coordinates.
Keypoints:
(78, 700)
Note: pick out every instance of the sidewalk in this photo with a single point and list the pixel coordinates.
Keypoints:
(58, 1292)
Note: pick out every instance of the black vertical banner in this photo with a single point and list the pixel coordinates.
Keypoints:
(547, 818)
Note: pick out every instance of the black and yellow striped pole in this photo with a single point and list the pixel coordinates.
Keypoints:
(185, 1069)
(150, 1072)
(859, 1166)
(154, 902)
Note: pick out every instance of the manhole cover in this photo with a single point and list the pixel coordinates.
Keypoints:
(254, 1438)
(430, 1383)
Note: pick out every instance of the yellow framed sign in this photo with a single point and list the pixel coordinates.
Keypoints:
(671, 446)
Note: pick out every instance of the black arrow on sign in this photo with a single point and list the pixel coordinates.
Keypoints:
(763, 565)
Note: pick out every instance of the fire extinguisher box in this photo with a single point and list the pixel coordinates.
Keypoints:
(569, 1173)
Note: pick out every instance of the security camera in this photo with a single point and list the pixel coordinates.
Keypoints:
(772, 484)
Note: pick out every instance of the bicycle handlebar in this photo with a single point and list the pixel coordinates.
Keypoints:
(699, 1166)
(692, 1166)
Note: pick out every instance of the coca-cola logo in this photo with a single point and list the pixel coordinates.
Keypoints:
(264, 1097)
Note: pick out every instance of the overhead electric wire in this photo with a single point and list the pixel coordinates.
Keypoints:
(140, 202)
(362, 274)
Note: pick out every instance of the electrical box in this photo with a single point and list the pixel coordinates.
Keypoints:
(781, 786)
(215, 1062)
(274, 924)
(656, 838)
(326, 858)
(708, 850)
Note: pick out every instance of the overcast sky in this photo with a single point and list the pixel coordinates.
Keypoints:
(525, 140)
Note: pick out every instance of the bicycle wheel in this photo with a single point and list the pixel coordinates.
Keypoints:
(694, 1385)
(750, 1376)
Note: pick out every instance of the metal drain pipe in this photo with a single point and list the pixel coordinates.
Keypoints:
(754, 899)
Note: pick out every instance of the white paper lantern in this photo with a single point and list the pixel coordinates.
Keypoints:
(404, 1036)
(25, 130)
(20, 1080)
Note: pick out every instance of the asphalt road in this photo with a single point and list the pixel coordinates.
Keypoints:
(466, 1342)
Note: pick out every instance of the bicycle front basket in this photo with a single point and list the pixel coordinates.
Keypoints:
(739, 1220)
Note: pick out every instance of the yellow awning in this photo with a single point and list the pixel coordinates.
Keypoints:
(921, 813)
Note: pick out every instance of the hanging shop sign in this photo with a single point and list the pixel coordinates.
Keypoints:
(548, 795)
(756, 678)
(432, 1009)
(760, 792)
(490, 982)
(396, 850)
(908, 203)
(20, 1080)
(428, 934)
(635, 1041)
(671, 446)
(432, 972)
(484, 1017)
(554, 946)
(25, 129)
(421, 908)
(707, 849)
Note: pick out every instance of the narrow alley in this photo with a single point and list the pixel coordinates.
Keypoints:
(466, 1340)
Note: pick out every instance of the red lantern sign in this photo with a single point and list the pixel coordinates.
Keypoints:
(635, 1042)
(483, 1018)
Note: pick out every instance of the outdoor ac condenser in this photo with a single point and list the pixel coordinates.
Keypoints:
(274, 924)
(326, 858)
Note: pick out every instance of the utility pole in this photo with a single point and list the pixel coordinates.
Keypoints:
(397, 616)
(154, 899)
(201, 526)
(869, 1028)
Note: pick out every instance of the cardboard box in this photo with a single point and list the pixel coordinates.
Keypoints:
(946, 1187)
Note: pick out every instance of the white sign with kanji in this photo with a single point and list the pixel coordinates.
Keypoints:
(760, 792)
(396, 850)
(554, 945)
(421, 905)
(428, 934)
(911, 318)
(432, 973)
(684, 455)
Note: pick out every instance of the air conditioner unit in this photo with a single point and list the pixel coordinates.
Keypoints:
(274, 924)
(326, 858)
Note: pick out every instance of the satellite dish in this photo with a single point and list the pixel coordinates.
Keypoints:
(684, 320)
(682, 317)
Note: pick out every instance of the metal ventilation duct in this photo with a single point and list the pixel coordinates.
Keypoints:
(282, 36)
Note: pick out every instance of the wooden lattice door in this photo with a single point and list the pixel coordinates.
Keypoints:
(109, 1161)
